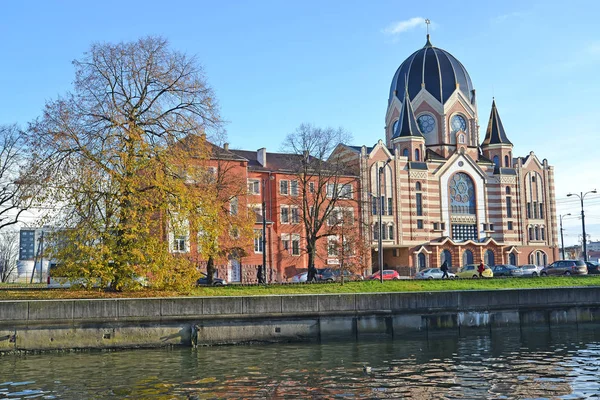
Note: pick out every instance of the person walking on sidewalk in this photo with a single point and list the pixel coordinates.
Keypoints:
(480, 269)
(444, 269)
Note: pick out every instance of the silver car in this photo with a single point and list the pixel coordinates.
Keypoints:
(300, 278)
(530, 270)
(433, 273)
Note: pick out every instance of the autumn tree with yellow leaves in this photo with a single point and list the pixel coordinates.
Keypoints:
(125, 156)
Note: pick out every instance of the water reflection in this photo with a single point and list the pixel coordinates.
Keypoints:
(560, 363)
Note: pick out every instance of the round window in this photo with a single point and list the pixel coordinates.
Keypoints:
(458, 123)
(426, 123)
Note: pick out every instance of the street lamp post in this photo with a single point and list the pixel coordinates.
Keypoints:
(562, 242)
(581, 196)
(380, 212)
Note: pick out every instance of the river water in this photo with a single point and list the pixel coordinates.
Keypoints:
(558, 363)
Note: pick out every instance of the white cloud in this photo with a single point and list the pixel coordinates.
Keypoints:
(403, 26)
(509, 16)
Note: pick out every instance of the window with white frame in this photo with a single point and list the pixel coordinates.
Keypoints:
(179, 234)
(330, 190)
(295, 215)
(294, 188)
(332, 246)
(253, 186)
(311, 187)
(285, 215)
(285, 241)
(345, 191)
(180, 244)
(295, 245)
(391, 232)
(284, 187)
(258, 241)
(233, 206)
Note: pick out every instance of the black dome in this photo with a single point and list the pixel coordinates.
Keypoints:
(434, 69)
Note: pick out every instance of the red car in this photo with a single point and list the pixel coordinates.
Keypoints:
(388, 274)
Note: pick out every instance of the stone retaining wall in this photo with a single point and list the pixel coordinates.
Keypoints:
(118, 323)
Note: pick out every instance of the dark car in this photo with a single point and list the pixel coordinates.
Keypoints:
(592, 267)
(334, 274)
(565, 267)
(504, 270)
(203, 281)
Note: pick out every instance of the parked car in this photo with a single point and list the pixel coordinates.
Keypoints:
(388, 275)
(203, 280)
(335, 274)
(470, 271)
(565, 267)
(505, 270)
(530, 270)
(300, 278)
(592, 267)
(433, 273)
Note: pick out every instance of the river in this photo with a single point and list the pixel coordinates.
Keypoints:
(557, 363)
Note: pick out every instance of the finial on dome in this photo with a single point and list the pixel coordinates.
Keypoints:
(427, 22)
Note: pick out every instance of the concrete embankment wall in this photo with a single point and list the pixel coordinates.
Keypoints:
(121, 323)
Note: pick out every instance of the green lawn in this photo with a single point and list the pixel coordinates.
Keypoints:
(350, 287)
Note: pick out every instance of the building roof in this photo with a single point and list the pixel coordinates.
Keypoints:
(276, 162)
(495, 131)
(435, 70)
(432, 155)
(407, 123)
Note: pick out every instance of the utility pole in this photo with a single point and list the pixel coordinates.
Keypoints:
(581, 196)
(562, 242)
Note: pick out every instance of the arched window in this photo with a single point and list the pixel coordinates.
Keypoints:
(375, 231)
(462, 202)
(512, 259)
(461, 139)
(508, 190)
(391, 232)
(417, 155)
(506, 162)
(418, 186)
(530, 233)
(537, 233)
(447, 257)
(422, 261)
(543, 233)
(496, 161)
(395, 127)
(488, 258)
(405, 153)
(467, 257)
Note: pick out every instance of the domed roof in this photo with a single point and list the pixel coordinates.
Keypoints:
(434, 69)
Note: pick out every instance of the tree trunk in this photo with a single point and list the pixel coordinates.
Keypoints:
(210, 270)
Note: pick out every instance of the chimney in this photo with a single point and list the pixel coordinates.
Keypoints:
(261, 156)
(226, 146)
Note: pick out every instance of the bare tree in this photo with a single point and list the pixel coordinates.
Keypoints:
(327, 183)
(9, 251)
(15, 192)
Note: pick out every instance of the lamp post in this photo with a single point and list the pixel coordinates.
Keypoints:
(581, 196)
(380, 212)
(562, 242)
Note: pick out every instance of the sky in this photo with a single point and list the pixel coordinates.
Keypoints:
(277, 64)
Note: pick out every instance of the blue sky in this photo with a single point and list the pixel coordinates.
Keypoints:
(277, 64)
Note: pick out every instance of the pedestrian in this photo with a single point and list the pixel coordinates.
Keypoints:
(259, 275)
(312, 274)
(444, 269)
(480, 269)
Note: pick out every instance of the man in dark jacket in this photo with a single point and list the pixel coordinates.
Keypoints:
(444, 269)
